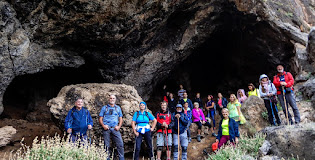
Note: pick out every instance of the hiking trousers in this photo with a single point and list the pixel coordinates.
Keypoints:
(290, 99)
(211, 115)
(199, 124)
(109, 134)
(184, 144)
(148, 140)
(272, 112)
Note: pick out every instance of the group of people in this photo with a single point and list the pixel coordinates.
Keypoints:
(173, 120)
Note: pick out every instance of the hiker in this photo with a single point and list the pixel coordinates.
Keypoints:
(164, 131)
(284, 82)
(181, 92)
(234, 108)
(172, 103)
(141, 128)
(222, 103)
(198, 99)
(268, 93)
(228, 130)
(185, 99)
(241, 97)
(253, 91)
(188, 113)
(210, 108)
(111, 121)
(78, 121)
(180, 122)
(165, 94)
(199, 119)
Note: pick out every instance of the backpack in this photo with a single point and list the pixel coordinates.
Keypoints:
(106, 109)
(146, 114)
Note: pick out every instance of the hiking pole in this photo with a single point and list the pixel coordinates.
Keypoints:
(285, 105)
(273, 116)
(178, 137)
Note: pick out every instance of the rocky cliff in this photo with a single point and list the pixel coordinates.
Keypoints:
(140, 42)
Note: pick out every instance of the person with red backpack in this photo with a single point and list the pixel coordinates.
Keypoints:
(164, 131)
(284, 82)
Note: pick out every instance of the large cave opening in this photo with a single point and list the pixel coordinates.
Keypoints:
(240, 49)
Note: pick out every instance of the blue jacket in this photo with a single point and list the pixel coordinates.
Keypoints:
(183, 122)
(233, 130)
(189, 114)
(190, 105)
(78, 120)
(224, 102)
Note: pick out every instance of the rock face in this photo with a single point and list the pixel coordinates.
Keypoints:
(95, 97)
(296, 140)
(6, 134)
(131, 39)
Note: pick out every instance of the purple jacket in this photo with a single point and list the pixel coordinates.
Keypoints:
(196, 116)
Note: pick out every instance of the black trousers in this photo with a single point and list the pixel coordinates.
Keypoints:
(148, 139)
(272, 112)
(199, 124)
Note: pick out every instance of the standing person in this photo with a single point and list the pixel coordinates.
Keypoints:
(198, 99)
(241, 96)
(188, 113)
(185, 99)
(141, 129)
(78, 121)
(268, 92)
(180, 121)
(172, 103)
(234, 108)
(210, 109)
(228, 129)
(111, 121)
(164, 131)
(181, 92)
(284, 83)
(199, 119)
(222, 103)
(253, 91)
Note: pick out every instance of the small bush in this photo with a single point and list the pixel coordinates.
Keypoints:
(264, 115)
(57, 148)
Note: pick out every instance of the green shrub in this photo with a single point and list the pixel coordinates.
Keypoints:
(264, 115)
(247, 146)
(57, 148)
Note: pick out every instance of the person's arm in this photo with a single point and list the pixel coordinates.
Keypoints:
(212, 105)
(158, 124)
(290, 81)
(194, 114)
(237, 134)
(101, 115)
(152, 118)
(219, 132)
(183, 118)
(90, 121)
(202, 115)
(68, 122)
(133, 125)
(276, 82)
(262, 95)
(239, 111)
(273, 89)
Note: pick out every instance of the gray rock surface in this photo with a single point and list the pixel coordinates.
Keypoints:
(95, 97)
(296, 140)
(265, 148)
(6, 134)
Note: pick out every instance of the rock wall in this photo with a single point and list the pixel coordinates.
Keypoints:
(95, 97)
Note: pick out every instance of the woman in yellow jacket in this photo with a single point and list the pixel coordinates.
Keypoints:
(253, 91)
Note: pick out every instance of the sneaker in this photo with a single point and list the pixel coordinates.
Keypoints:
(198, 138)
(189, 139)
(214, 135)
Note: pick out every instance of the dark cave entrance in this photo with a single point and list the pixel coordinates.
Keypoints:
(27, 95)
(235, 54)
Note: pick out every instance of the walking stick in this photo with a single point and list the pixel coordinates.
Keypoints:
(285, 105)
(273, 116)
(178, 137)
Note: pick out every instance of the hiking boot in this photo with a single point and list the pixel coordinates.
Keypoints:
(214, 135)
(189, 139)
(198, 138)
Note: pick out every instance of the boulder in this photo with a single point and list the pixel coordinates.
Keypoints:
(294, 140)
(95, 97)
(6, 134)
(253, 110)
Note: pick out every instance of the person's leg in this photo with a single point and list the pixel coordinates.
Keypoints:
(169, 145)
(223, 141)
(175, 142)
(159, 144)
(212, 117)
(199, 130)
(148, 140)
(280, 98)
(119, 143)
(275, 112)
(184, 144)
(106, 136)
(291, 100)
(137, 147)
(270, 115)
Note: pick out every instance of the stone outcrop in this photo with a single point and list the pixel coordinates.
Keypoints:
(138, 42)
(288, 141)
(6, 134)
(95, 97)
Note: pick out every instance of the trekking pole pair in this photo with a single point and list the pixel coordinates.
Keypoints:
(285, 104)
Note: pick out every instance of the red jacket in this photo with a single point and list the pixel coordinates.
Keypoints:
(167, 118)
(288, 79)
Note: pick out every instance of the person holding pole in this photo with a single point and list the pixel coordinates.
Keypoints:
(180, 121)
(268, 92)
(284, 83)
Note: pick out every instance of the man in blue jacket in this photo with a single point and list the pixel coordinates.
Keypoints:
(185, 99)
(78, 121)
(179, 117)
